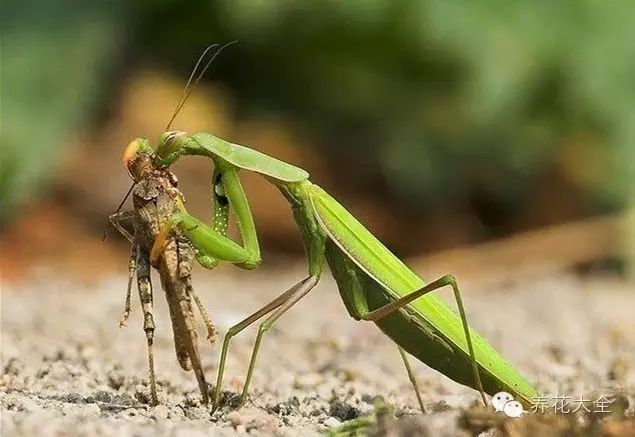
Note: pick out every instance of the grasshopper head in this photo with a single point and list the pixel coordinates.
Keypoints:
(138, 158)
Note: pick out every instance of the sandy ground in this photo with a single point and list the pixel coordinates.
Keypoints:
(68, 370)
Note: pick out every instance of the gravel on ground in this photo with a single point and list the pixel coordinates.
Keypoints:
(67, 369)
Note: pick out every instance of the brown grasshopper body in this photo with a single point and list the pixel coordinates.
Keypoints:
(155, 197)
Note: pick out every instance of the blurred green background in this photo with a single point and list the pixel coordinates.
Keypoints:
(438, 123)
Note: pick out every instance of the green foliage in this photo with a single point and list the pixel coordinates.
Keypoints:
(426, 102)
(54, 59)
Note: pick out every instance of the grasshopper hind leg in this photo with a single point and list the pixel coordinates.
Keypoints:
(211, 329)
(179, 332)
(192, 340)
(145, 294)
(174, 270)
(132, 268)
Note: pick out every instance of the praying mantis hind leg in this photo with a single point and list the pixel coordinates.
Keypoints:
(446, 280)
(352, 289)
(239, 327)
(144, 285)
(412, 378)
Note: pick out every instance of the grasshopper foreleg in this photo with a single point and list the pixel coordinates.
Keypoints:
(116, 219)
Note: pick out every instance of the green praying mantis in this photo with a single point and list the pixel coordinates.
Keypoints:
(373, 283)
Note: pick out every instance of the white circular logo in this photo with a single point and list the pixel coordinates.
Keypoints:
(513, 409)
(500, 399)
(504, 402)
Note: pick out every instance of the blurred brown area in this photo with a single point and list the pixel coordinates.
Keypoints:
(65, 226)
(441, 126)
(546, 251)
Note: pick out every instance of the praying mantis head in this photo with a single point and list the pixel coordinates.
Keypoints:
(171, 147)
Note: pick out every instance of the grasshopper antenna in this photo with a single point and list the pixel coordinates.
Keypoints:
(118, 209)
(192, 82)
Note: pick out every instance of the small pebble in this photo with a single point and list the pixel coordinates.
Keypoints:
(331, 421)
(160, 412)
(69, 409)
(17, 404)
(307, 380)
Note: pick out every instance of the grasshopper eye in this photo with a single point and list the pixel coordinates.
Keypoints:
(137, 157)
(130, 152)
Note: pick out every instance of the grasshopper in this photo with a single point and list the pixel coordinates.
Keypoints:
(157, 201)
(156, 198)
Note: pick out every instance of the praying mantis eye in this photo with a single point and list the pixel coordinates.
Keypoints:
(169, 137)
(167, 143)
